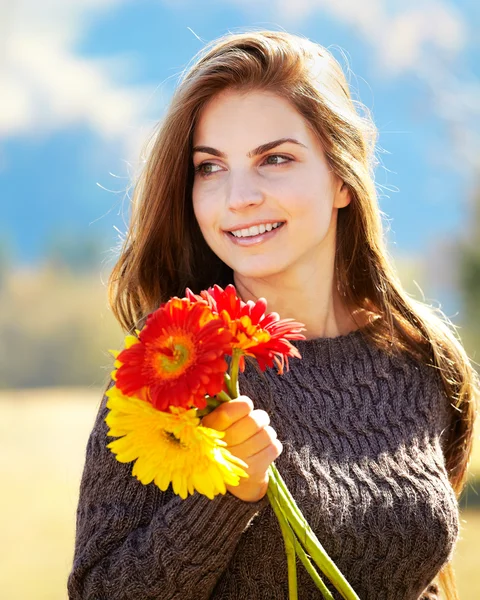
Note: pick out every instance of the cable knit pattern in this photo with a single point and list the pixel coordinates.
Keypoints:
(362, 433)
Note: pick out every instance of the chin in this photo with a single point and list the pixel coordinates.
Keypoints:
(257, 271)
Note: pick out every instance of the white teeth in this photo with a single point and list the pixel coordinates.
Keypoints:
(255, 230)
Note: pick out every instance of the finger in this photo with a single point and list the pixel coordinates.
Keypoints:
(258, 463)
(246, 428)
(255, 444)
(228, 413)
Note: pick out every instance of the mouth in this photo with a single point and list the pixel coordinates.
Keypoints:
(255, 234)
(256, 230)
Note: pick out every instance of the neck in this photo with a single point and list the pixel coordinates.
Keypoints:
(309, 295)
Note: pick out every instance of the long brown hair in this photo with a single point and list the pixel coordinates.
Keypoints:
(164, 250)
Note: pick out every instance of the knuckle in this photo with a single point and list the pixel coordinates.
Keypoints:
(260, 417)
(218, 419)
(278, 447)
(259, 464)
(245, 400)
(271, 433)
(260, 441)
(238, 408)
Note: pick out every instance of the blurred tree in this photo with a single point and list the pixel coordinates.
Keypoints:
(55, 329)
(73, 251)
(468, 257)
(6, 256)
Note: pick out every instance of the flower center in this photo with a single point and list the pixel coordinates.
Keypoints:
(172, 439)
(247, 334)
(173, 356)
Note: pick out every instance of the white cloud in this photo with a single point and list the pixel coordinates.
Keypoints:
(46, 85)
(423, 38)
(398, 31)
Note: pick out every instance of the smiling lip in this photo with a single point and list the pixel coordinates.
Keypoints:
(253, 240)
(256, 223)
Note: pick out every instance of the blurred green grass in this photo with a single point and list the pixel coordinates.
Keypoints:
(44, 433)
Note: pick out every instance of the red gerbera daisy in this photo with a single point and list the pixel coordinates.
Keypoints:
(264, 336)
(179, 357)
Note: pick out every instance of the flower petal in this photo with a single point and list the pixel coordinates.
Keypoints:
(171, 447)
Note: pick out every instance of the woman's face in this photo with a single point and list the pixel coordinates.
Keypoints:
(263, 194)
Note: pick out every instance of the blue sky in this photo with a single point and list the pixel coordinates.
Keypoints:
(86, 81)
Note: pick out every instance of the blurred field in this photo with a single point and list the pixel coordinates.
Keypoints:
(474, 468)
(44, 434)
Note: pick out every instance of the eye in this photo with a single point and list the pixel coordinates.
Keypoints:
(203, 173)
(285, 159)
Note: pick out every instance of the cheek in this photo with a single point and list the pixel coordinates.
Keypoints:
(308, 191)
(311, 216)
(310, 206)
(205, 213)
(200, 209)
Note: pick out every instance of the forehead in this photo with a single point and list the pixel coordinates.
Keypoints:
(233, 116)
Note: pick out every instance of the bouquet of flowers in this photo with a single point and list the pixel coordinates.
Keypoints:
(172, 373)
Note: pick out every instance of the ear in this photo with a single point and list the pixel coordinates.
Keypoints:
(343, 196)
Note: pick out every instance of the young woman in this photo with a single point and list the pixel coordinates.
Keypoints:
(261, 175)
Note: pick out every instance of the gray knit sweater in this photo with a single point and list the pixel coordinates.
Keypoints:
(363, 435)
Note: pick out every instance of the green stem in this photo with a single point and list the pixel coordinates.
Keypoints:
(234, 367)
(223, 397)
(292, 516)
(298, 548)
(212, 403)
(283, 486)
(228, 384)
(288, 538)
(311, 570)
(310, 541)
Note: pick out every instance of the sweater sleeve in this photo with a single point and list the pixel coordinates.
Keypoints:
(134, 541)
(431, 592)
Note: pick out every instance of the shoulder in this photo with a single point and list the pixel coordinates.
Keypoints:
(426, 390)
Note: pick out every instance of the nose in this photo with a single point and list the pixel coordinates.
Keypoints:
(243, 192)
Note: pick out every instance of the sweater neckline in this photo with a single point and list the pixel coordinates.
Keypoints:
(333, 349)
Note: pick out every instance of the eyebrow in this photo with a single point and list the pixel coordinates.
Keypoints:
(255, 152)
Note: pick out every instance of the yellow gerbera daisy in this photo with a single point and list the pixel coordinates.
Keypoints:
(170, 447)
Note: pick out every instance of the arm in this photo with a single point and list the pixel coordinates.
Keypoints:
(136, 542)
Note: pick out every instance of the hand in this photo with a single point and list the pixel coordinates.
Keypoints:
(248, 436)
